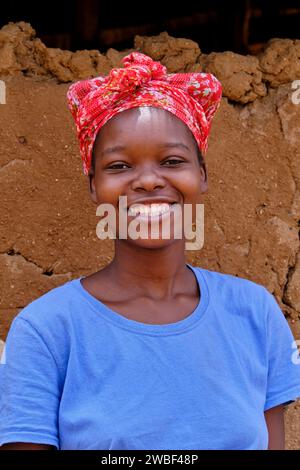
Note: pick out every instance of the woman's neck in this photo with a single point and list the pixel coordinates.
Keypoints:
(156, 271)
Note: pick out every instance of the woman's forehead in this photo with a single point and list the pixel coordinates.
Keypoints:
(146, 120)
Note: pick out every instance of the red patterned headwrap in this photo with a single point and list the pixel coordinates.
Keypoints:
(192, 97)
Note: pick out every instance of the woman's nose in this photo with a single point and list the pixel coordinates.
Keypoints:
(148, 179)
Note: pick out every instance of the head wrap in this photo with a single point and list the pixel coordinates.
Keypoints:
(192, 97)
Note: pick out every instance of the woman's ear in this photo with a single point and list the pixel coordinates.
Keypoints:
(93, 193)
(204, 180)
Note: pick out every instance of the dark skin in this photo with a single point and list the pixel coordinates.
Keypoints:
(144, 272)
(157, 157)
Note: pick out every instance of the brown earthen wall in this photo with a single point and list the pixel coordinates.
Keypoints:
(252, 207)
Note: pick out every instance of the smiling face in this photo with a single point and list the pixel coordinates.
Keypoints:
(150, 156)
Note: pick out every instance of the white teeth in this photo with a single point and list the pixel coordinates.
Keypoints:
(149, 209)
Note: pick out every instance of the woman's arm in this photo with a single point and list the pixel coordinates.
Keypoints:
(26, 446)
(275, 424)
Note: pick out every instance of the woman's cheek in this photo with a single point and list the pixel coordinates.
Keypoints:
(190, 187)
(105, 190)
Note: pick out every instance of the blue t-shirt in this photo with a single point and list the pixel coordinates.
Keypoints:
(78, 375)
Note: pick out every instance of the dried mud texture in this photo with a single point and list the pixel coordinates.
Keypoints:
(177, 54)
(240, 75)
(47, 220)
(22, 52)
(244, 78)
(280, 62)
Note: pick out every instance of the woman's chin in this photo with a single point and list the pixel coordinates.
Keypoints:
(152, 243)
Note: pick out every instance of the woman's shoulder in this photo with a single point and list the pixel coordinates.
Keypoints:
(222, 279)
(52, 307)
(238, 290)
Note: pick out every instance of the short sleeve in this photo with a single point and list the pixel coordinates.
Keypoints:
(29, 388)
(283, 383)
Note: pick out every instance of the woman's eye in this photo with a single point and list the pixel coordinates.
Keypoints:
(173, 161)
(121, 166)
(118, 166)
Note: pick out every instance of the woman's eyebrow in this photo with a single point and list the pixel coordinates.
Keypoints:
(175, 145)
(120, 148)
(115, 148)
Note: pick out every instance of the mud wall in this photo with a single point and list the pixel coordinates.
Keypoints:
(252, 207)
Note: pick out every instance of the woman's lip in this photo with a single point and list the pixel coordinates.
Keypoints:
(150, 204)
(149, 217)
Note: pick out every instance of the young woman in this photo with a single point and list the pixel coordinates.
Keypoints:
(149, 352)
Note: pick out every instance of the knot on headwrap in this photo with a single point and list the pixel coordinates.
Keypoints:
(139, 69)
(191, 97)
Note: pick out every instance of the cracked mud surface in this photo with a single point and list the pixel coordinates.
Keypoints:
(252, 207)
